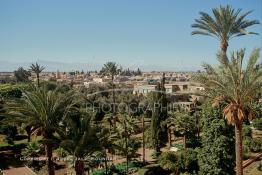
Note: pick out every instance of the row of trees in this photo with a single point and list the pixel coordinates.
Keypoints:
(62, 120)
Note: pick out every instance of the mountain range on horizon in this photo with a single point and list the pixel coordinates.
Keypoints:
(8, 66)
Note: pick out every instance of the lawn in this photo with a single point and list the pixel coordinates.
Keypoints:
(4, 143)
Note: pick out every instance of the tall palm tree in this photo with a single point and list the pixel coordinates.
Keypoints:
(226, 23)
(37, 69)
(43, 110)
(127, 126)
(111, 69)
(235, 86)
(106, 142)
(80, 140)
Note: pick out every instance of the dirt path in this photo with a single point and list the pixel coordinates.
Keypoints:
(251, 160)
(18, 171)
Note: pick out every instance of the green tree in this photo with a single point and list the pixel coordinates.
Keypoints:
(184, 125)
(43, 110)
(80, 139)
(22, 75)
(216, 156)
(129, 145)
(235, 86)
(159, 114)
(225, 24)
(37, 69)
(111, 69)
(106, 140)
(177, 162)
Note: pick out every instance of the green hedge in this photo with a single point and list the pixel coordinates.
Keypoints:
(11, 91)
(120, 168)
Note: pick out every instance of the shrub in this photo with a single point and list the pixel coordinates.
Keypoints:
(155, 154)
(50, 85)
(257, 123)
(247, 131)
(10, 132)
(169, 161)
(120, 168)
(256, 145)
(179, 161)
(246, 154)
(61, 152)
(11, 91)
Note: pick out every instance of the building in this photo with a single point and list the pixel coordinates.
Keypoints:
(170, 88)
(6, 74)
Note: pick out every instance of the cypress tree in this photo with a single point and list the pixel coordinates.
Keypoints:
(159, 113)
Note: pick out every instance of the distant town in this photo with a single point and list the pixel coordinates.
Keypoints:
(176, 83)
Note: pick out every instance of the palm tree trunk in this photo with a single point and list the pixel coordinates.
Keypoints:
(238, 139)
(157, 147)
(28, 132)
(143, 138)
(169, 137)
(114, 102)
(184, 140)
(28, 137)
(79, 167)
(223, 46)
(38, 82)
(185, 147)
(126, 163)
(48, 150)
(106, 162)
(126, 148)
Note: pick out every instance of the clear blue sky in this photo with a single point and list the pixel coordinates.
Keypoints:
(154, 34)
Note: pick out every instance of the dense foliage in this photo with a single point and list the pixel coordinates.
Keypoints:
(216, 156)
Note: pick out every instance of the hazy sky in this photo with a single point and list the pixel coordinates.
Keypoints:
(152, 34)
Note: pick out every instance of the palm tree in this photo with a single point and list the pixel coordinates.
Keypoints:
(37, 69)
(106, 142)
(79, 140)
(127, 126)
(182, 123)
(111, 69)
(235, 86)
(43, 110)
(226, 23)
